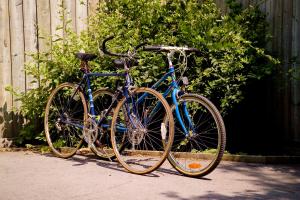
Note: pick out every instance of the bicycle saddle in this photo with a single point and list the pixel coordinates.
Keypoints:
(86, 56)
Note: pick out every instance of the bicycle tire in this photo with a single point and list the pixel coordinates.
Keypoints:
(144, 148)
(198, 157)
(64, 109)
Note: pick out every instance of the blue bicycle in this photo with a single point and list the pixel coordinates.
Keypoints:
(138, 130)
(200, 134)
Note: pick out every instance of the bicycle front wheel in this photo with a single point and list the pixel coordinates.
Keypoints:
(200, 136)
(65, 117)
(138, 127)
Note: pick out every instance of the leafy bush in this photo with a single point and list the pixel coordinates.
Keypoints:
(232, 48)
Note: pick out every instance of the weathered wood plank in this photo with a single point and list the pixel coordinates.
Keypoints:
(81, 15)
(287, 31)
(17, 57)
(286, 45)
(17, 45)
(92, 6)
(5, 71)
(270, 19)
(70, 6)
(30, 37)
(262, 5)
(44, 24)
(221, 4)
(56, 22)
(295, 34)
(246, 3)
(278, 23)
(296, 67)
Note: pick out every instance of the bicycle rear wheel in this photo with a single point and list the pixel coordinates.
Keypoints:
(138, 127)
(199, 150)
(102, 147)
(65, 117)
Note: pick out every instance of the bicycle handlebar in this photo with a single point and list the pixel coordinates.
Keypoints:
(170, 48)
(119, 54)
(110, 53)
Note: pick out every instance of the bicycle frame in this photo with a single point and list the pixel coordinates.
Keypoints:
(85, 86)
(175, 92)
(86, 82)
(173, 89)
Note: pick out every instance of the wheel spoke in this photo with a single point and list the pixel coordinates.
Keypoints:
(145, 149)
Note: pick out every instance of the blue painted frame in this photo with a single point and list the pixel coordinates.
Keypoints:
(85, 86)
(174, 89)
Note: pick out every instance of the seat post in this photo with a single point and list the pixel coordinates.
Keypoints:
(84, 66)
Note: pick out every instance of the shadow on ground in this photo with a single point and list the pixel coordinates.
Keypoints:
(274, 188)
(79, 160)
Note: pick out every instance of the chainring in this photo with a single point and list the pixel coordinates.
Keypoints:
(90, 131)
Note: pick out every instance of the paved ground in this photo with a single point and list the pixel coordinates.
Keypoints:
(31, 176)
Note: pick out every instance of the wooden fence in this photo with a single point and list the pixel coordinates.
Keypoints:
(19, 20)
(18, 34)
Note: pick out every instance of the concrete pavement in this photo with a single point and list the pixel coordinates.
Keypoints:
(27, 175)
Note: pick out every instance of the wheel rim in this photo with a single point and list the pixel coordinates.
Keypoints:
(200, 151)
(143, 147)
(64, 119)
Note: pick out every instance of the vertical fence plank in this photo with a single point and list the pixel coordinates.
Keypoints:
(5, 71)
(222, 5)
(282, 83)
(30, 36)
(17, 45)
(56, 22)
(17, 54)
(44, 24)
(81, 15)
(286, 45)
(287, 31)
(276, 86)
(92, 6)
(246, 3)
(277, 42)
(296, 68)
(270, 19)
(262, 5)
(70, 6)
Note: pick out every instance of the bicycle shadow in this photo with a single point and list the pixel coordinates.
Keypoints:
(83, 159)
(79, 160)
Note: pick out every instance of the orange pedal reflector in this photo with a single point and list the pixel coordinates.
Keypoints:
(194, 165)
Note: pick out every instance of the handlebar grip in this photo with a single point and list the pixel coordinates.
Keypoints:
(172, 48)
(193, 50)
(152, 48)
